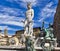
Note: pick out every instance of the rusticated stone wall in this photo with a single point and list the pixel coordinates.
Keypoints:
(56, 24)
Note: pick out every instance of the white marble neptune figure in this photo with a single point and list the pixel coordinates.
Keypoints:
(29, 21)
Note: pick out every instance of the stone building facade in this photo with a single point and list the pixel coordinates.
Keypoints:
(36, 31)
(56, 24)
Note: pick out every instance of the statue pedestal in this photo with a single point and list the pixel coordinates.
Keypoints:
(29, 43)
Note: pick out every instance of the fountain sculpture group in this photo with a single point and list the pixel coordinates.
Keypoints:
(46, 43)
(29, 28)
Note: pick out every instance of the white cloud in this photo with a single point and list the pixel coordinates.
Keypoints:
(34, 2)
(23, 3)
(46, 12)
(6, 18)
(14, 23)
(8, 28)
(11, 11)
(49, 4)
(12, 20)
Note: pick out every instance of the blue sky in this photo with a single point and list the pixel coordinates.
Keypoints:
(12, 12)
